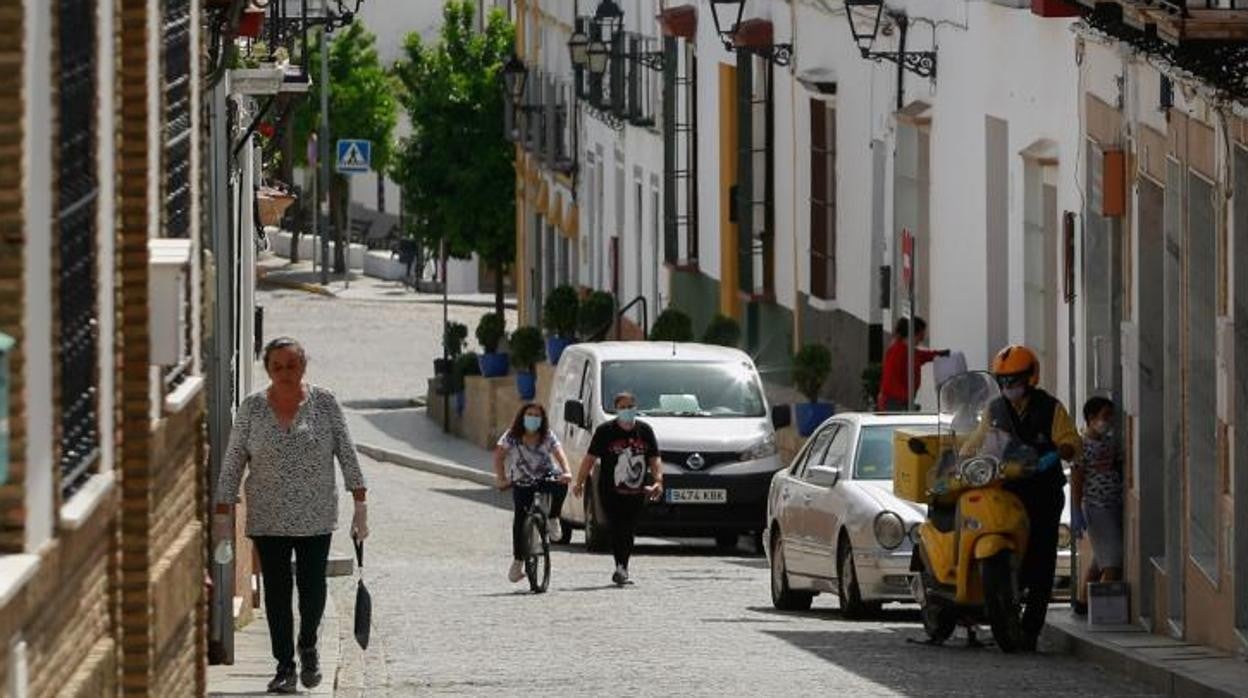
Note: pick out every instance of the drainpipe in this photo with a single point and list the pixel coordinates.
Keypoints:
(797, 253)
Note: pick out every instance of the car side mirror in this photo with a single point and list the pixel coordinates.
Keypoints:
(781, 416)
(824, 475)
(574, 413)
(917, 446)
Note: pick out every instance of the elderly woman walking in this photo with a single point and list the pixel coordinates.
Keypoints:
(286, 438)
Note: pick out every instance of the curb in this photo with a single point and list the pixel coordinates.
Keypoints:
(297, 286)
(426, 464)
(1168, 680)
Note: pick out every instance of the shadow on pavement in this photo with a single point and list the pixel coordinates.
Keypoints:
(494, 498)
(891, 614)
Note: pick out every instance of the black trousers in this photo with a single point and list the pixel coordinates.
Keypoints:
(1044, 499)
(311, 558)
(522, 497)
(623, 510)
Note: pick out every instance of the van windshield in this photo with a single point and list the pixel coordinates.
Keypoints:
(685, 388)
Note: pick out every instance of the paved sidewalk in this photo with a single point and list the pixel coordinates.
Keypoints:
(1173, 667)
(409, 438)
(253, 658)
(278, 271)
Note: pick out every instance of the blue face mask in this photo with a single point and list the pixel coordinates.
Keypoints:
(627, 415)
(532, 422)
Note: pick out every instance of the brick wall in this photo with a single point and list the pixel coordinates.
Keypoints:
(12, 239)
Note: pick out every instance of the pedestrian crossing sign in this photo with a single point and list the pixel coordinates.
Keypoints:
(354, 156)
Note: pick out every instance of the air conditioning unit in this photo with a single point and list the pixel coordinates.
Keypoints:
(169, 264)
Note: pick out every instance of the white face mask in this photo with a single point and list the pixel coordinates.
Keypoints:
(1014, 393)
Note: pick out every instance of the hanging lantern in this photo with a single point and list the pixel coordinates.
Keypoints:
(514, 74)
(725, 25)
(578, 47)
(864, 21)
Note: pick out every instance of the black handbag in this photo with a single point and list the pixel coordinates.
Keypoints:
(363, 601)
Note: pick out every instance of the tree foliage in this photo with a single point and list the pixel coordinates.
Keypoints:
(456, 169)
(362, 104)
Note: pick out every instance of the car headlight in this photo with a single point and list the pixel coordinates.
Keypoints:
(763, 449)
(978, 472)
(913, 535)
(890, 530)
(1063, 536)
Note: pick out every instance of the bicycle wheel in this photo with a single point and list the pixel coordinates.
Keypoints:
(537, 558)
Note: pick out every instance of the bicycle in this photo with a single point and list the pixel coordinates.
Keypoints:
(536, 538)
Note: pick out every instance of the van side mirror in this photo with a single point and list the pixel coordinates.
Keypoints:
(781, 416)
(574, 413)
(824, 475)
(917, 446)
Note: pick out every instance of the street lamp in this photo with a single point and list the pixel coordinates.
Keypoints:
(726, 33)
(742, 34)
(514, 76)
(864, 25)
(597, 55)
(578, 47)
(610, 20)
(864, 21)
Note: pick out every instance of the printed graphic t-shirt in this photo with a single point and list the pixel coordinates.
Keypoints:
(623, 454)
(527, 464)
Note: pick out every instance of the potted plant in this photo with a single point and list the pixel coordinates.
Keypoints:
(811, 368)
(490, 332)
(526, 351)
(593, 319)
(672, 325)
(454, 336)
(723, 331)
(466, 364)
(559, 318)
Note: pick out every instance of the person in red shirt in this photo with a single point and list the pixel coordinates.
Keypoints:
(892, 397)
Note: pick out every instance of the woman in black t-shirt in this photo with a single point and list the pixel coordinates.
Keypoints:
(626, 448)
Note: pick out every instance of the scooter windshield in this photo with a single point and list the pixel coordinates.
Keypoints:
(962, 401)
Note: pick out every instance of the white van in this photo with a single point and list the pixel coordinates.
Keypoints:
(710, 416)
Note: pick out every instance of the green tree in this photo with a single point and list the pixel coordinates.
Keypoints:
(456, 169)
(362, 104)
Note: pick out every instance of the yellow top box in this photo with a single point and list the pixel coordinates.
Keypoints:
(910, 470)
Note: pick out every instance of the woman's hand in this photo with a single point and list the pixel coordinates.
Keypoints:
(578, 489)
(565, 477)
(359, 522)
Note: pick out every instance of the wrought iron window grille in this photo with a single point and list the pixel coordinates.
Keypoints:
(77, 197)
(176, 155)
(680, 154)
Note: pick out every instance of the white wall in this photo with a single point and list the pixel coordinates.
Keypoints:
(106, 236)
(37, 163)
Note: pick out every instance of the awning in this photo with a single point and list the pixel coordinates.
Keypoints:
(572, 221)
(554, 215)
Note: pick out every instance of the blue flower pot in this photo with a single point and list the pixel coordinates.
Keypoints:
(493, 364)
(526, 384)
(811, 414)
(459, 402)
(555, 347)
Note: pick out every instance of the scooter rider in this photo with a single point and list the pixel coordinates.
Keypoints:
(1040, 421)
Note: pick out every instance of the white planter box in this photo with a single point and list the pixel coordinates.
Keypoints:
(169, 263)
(256, 81)
(380, 265)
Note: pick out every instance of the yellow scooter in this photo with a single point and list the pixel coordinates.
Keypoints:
(975, 536)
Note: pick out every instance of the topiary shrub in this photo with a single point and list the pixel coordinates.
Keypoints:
(811, 368)
(466, 364)
(526, 348)
(559, 312)
(672, 325)
(595, 314)
(490, 332)
(454, 335)
(723, 331)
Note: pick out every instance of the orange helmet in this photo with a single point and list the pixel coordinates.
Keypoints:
(1017, 361)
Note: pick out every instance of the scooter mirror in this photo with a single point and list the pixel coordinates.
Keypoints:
(917, 446)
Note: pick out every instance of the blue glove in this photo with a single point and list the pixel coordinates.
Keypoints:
(1078, 524)
(1048, 460)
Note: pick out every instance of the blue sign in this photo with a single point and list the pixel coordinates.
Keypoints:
(354, 156)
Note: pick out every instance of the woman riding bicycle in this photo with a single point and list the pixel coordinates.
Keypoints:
(533, 456)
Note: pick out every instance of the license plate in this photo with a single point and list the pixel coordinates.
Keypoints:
(697, 496)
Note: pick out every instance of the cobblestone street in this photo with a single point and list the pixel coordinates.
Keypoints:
(446, 621)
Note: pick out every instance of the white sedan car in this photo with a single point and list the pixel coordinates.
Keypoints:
(833, 524)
